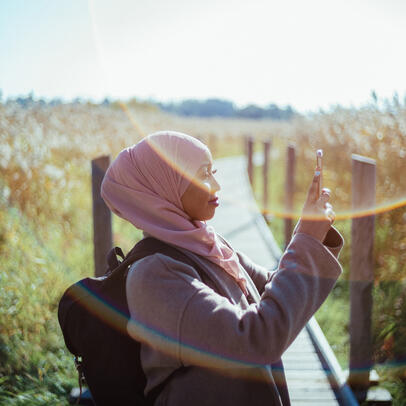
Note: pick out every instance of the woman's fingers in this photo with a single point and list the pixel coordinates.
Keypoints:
(313, 192)
(329, 212)
(318, 214)
(326, 191)
(324, 198)
(327, 207)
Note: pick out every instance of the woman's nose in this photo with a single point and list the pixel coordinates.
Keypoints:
(215, 186)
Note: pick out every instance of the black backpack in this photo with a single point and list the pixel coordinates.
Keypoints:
(93, 315)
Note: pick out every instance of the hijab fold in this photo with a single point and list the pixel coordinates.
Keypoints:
(144, 186)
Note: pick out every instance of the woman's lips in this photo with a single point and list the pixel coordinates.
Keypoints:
(214, 201)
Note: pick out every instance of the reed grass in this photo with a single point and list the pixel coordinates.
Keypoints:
(46, 229)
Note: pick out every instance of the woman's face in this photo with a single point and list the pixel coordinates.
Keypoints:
(199, 200)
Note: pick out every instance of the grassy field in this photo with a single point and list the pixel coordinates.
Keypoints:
(381, 136)
(46, 228)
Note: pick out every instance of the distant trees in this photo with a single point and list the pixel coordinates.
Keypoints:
(190, 107)
(201, 108)
(29, 101)
(225, 108)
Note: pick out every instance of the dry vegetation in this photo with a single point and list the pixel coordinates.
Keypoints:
(45, 214)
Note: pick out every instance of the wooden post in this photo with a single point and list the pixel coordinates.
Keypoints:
(265, 168)
(202, 139)
(289, 190)
(102, 234)
(361, 274)
(212, 141)
(250, 164)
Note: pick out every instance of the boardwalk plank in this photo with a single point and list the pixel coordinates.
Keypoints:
(315, 402)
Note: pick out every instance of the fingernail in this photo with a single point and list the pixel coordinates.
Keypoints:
(317, 173)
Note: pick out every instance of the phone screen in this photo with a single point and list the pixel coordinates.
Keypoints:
(319, 165)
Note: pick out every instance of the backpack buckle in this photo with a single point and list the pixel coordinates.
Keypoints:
(81, 378)
(79, 367)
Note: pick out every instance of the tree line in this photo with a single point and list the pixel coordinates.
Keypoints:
(225, 108)
(190, 107)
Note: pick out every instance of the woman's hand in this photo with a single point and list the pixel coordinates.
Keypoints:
(317, 214)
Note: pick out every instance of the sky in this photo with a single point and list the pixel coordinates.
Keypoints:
(308, 54)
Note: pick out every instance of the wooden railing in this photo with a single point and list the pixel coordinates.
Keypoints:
(102, 230)
(361, 272)
(361, 267)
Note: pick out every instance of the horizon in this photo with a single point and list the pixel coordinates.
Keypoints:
(381, 104)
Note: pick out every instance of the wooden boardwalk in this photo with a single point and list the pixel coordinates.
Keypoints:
(239, 221)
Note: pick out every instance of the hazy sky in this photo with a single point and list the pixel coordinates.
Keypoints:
(307, 53)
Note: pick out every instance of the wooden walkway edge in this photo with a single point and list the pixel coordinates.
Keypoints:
(313, 373)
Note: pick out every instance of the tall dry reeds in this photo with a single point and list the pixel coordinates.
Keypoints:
(45, 207)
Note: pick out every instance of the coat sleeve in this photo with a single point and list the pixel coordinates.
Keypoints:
(176, 313)
(334, 241)
(259, 274)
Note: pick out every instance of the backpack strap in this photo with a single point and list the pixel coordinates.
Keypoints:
(151, 245)
(112, 260)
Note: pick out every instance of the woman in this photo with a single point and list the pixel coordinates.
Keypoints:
(217, 342)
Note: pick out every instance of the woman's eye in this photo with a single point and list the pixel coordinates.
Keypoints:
(208, 173)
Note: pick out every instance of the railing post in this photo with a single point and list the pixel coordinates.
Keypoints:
(265, 168)
(250, 163)
(361, 273)
(289, 190)
(102, 234)
(202, 139)
(212, 141)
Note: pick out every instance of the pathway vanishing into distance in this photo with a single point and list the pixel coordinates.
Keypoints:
(238, 219)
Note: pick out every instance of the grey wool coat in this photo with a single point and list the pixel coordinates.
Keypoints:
(218, 346)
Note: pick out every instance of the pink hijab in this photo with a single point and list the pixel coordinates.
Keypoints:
(144, 186)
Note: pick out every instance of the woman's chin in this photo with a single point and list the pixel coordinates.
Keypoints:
(208, 215)
(211, 214)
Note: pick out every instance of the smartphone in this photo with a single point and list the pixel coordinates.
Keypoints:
(319, 166)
